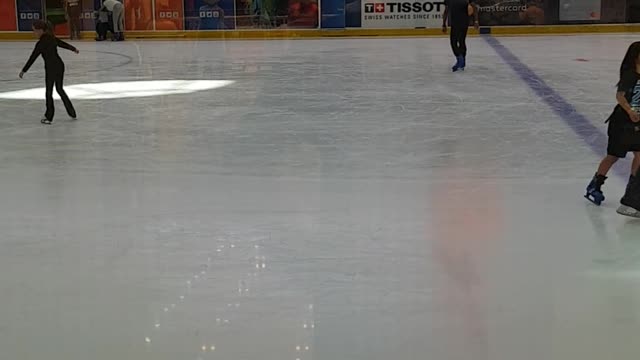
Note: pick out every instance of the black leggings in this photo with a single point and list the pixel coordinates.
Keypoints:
(55, 78)
(459, 40)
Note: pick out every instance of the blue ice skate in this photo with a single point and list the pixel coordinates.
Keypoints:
(594, 191)
(460, 64)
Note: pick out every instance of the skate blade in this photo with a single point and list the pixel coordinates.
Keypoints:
(593, 200)
(628, 211)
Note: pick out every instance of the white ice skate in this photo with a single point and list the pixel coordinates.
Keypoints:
(628, 211)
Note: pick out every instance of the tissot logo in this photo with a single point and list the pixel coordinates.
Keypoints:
(374, 8)
(404, 7)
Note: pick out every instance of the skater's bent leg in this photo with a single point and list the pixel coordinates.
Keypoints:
(606, 164)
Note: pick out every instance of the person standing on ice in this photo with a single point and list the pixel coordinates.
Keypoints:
(457, 12)
(117, 11)
(47, 46)
(624, 136)
(72, 8)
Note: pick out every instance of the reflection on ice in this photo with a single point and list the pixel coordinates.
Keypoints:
(124, 89)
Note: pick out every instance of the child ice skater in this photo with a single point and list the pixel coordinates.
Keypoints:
(103, 25)
(47, 46)
(624, 136)
(457, 12)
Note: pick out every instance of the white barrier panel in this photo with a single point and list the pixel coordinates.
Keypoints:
(399, 15)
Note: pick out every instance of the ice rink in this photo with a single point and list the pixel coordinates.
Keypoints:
(316, 199)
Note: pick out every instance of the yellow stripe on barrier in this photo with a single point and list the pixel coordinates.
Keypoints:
(565, 29)
(348, 33)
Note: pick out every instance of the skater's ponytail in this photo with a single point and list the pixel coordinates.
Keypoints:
(630, 59)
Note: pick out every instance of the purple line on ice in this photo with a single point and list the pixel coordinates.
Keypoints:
(590, 133)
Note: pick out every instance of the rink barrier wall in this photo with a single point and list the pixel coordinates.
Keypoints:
(350, 33)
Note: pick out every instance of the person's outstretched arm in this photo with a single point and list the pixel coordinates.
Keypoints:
(64, 45)
(34, 55)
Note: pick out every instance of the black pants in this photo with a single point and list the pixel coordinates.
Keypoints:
(101, 30)
(55, 77)
(459, 39)
(624, 136)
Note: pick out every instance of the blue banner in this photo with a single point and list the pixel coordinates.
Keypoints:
(209, 14)
(28, 11)
(333, 16)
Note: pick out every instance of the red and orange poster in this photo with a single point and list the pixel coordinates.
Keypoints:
(8, 15)
(138, 15)
(169, 15)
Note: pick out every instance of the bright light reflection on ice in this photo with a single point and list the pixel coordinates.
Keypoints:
(120, 90)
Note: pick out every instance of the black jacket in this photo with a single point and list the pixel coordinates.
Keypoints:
(47, 46)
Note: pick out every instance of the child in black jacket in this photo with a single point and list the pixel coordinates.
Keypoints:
(47, 46)
(624, 136)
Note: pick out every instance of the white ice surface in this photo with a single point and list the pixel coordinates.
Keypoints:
(350, 196)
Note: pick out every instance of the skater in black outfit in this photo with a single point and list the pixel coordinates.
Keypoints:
(47, 46)
(458, 13)
(624, 136)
